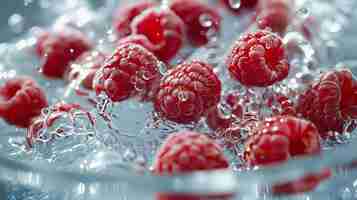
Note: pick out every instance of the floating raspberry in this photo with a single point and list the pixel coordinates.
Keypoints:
(258, 59)
(278, 138)
(85, 67)
(163, 28)
(274, 14)
(124, 16)
(330, 102)
(43, 122)
(187, 152)
(131, 71)
(59, 48)
(187, 92)
(21, 100)
(202, 21)
(239, 5)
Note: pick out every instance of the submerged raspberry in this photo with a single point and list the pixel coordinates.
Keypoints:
(163, 28)
(131, 71)
(202, 21)
(124, 16)
(274, 14)
(330, 102)
(59, 48)
(141, 40)
(85, 67)
(187, 92)
(278, 138)
(21, 100)
(258, 59)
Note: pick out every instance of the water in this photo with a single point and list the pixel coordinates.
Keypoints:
(128, 134)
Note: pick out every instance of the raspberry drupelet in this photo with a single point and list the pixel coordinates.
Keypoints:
(21, 100)
(59, 48)
(124, 16)
(131, 71)
(187, 92)
(187, 152)
(85, 67)
(163, 28)
(275, 14)
(330, 102)
(258, 59)
(202, 21)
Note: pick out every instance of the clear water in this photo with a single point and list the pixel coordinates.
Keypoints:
(127, 134)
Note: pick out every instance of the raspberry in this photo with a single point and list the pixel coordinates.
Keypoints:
(41, 122)
(258, 59)
(21, 100)
(125, 15)
(187, 92)
(131, 71)
(243, 4)
(278, 138)
(201, 20)
(85, 68)
(163, 28)
(330, 102)
(140, 40)
(187, 152)
(274, 14)
(58, 49)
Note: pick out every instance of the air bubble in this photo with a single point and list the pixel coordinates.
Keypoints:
(303, 13)
(16, 23)
(206, 20)
(235, 4)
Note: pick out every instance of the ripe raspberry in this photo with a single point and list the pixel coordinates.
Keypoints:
(258, 59)
(58, 49)
(274, 14)
(163, 28)
(243, 4)
(41, 122)
(21, 100)
(130, 71)
(187, 92)
(278, 138)
(187, 152)
(202, 21)
(85, 67)
(330, 102)
(125, 15)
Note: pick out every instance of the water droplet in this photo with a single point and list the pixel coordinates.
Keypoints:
(183, 96)
(162, 68)
(303, 12)
(206, 20)
(16, 23)
(235, 4)
(27, 2)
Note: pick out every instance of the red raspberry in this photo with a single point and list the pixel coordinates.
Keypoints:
(125, 15)
(201, 20)
(130, 71)
(258, 59)
(58, 49)
(187, 92)
(187, 152)
(274, 14)
(243, 4)
(21, 100)
(42, 121)
(163, 28)
(330, 102)
(85, 68)
(278, 138)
